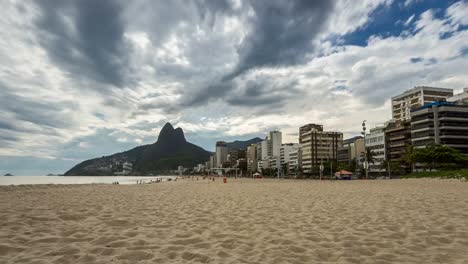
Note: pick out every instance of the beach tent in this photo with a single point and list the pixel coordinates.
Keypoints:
(257, 175)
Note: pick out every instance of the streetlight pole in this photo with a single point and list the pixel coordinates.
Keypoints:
(366, 164)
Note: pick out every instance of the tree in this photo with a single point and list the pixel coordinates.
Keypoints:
(391, 167)
(284, 169)
(434, 155)
(369, 155)
(410, 156)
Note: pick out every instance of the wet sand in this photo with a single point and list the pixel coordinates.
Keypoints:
(243, 221)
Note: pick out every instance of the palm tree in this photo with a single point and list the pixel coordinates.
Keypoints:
(369, 155)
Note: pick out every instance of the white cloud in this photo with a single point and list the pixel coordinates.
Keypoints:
(339, 89)
(458, 13)
(409, 20)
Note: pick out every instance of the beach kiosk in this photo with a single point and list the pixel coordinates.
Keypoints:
(257, 175)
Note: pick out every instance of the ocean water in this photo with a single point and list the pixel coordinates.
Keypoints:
(20, 180)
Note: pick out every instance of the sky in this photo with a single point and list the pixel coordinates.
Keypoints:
(84, 79)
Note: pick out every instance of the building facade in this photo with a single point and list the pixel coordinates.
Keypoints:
(221, 153)
(416, 97)
(461, 98)
(318, 146)
(252, 158)
(375, 142)
(352, 149)
(274, 141)
(285, 152)
(295, 161)
(440, 123)
(397, 140)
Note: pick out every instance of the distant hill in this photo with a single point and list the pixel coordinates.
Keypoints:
(242, 144)
(169, 151)
(8, 174)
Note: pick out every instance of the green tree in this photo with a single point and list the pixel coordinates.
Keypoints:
(284, 169)
(370, 155)
(392, 167)
(434, 155)
(410, 156)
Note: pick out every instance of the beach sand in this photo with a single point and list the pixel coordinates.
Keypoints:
(242, 221)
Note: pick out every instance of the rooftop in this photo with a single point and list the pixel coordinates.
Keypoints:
(421, 88)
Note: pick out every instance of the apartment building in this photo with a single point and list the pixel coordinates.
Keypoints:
(352, 148)
(397, 139)
(221, 153)
(318, 146)
(461, 98)
(443, 123)
(295, 161)
(416, 97)
(252, 161)
(285, 152)
(375, 142)
(274, 141)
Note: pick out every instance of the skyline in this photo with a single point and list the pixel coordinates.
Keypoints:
(84, 79)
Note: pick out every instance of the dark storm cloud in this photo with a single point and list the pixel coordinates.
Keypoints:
(264, 91)
(282, 33)
(85, 37)
(4, 138)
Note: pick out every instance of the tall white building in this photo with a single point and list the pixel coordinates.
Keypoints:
(285, 151)
(375, 142)
(264, 149)
(416, 97)
(274, 140)
(295, 161)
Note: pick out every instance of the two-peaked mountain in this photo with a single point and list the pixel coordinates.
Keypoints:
(169, 151)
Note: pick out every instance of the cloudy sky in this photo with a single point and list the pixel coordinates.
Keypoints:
(80, 79)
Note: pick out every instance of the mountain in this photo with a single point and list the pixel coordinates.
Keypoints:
(242, 144)
(169, 151)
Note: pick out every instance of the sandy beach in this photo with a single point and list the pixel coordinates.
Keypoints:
(243, 221)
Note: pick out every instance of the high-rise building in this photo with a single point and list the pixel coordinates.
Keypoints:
(252, 158)
(416, 97)
(236, 154)
(258, 146)
(397, 140)
(274, 141)
(213, 161)
(288, 151)
(375, 142)
(440, 123)
(264, 149)
(318, 146)
(295, 161)
(352, 149)
(221, 153)
(285, 152)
